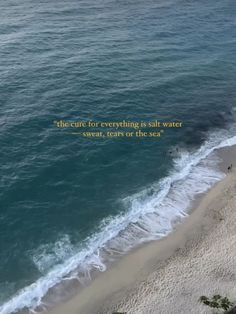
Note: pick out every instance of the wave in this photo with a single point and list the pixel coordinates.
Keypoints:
(152, 214)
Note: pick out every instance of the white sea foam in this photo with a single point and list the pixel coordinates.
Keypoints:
(150, 215)
(47, 255)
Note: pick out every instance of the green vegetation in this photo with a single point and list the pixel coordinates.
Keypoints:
(218, 302)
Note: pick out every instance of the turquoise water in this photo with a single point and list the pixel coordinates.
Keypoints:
(64, 198)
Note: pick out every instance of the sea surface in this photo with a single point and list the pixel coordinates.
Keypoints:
(69, 205)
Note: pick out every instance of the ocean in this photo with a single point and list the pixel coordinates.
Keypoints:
(70, 205)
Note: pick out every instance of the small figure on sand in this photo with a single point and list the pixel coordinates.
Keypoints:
(230, 167)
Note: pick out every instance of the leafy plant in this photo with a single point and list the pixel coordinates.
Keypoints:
(217, 302)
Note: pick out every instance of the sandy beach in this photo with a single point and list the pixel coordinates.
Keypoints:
(168, 276)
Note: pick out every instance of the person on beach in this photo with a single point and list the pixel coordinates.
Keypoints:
(230, 167)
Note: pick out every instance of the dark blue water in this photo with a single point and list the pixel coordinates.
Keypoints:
(103, 61)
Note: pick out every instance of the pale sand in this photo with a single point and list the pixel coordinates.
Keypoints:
(169, 276)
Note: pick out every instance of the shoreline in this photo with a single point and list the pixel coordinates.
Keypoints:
(126, 285)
